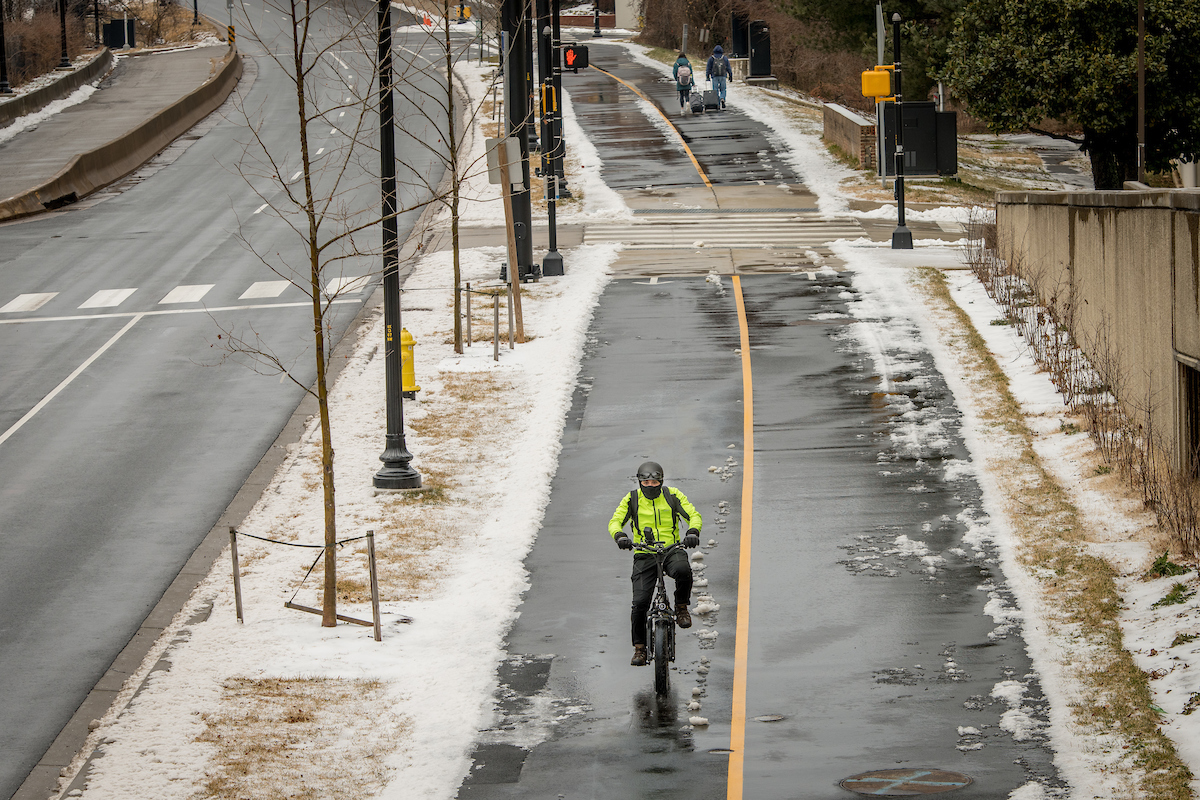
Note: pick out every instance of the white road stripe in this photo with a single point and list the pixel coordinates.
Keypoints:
(163, 313)
(299, 172)
(260, 208)
(193, 293)
(347, 284)
(67, 381)
(260, 289)
(28, 302)
(332, 131)
(343, 63)
(107, 298)
(322, 150)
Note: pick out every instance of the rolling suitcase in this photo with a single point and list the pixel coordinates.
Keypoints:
(712, 100)
(697, 102)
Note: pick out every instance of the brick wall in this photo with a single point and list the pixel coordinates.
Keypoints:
(852, 132)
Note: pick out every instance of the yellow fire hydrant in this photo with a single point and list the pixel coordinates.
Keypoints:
(408, 376)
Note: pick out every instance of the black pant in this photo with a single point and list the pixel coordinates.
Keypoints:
(645, 575)
(684, 94)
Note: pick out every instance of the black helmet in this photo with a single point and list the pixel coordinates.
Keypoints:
(650, 471)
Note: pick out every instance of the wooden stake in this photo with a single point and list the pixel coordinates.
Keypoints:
(237, 577)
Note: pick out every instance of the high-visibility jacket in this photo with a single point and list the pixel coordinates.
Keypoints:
(657, 515)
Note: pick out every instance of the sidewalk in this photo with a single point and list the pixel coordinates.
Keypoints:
(139, 87)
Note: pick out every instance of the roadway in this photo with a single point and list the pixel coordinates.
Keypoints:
(860, 650)
(123, 437)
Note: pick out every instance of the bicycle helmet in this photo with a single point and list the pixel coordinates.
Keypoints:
(650, 471)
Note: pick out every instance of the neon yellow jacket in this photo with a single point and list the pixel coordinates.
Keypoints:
(656, 514)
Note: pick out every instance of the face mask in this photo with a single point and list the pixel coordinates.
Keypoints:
(651, 491)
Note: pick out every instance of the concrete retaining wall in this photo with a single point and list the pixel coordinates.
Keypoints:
(1131, 260)
(93, 170)
(852, 132)
(39, 98)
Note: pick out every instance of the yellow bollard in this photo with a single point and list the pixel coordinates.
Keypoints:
(408, 377)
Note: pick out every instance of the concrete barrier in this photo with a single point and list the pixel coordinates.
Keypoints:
(852, 132)
(96, 169)
(1129, 262)
(41, 97)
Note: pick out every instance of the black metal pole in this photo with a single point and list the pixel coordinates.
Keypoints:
(4, 87)
(96, 20)
(596, 20)
(515, 22)
(902, 236)
(397, 471)
(195, 12)
(560, 147)
(541, 24)
(1141, 103)
(65, 62)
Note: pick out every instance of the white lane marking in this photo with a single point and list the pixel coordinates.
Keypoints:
(343, 113)
(347, 284)
(260, 208)
(343, 63)
(349, 100)
(107, 298)
(332, 131)
(162, 313)
(322, 150)
(28, 302)
(299, 172)
(67, 381)
(193, 293)
(260, 289)
(812, 276)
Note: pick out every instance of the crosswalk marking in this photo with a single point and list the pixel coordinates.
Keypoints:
(107, 298)
(187, 294)
(347, 284)
(260, 289)
(741, 231)
(28, 302)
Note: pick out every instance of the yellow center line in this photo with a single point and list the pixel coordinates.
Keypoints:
(741, 651)
(686, 149)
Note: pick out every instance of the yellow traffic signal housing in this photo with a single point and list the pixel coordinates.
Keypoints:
(877, 83)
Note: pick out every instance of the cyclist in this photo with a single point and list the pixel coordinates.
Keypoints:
(658, 508)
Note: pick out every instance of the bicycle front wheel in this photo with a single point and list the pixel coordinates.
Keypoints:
(662, 653)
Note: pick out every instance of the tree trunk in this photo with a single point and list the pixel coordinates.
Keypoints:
(1114, 159)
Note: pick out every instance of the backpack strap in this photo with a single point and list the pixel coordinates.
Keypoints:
(631, 511)
(676, 508)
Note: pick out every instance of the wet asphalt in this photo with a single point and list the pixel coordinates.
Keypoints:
(865, 651)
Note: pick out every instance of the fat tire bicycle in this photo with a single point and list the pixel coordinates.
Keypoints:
(660, 619)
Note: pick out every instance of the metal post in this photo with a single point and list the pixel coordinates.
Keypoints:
(95, 16)
(880, 36)
(468, 315)
(683, 47)
(195, 12)
(397, 471)
(560, 147)
(516, 106)
(596, 19)
(495, 327)
(65, 62)
(374, 585)
(902, 236)
(1141, 101)
(237, 574)
(4, 87)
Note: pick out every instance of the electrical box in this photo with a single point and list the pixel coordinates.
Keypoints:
(930, 140)
(574, 57)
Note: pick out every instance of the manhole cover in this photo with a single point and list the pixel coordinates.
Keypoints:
(770, 718)
(904, 782)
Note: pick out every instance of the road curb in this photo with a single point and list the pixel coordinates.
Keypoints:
(94, 170)
(32, 102)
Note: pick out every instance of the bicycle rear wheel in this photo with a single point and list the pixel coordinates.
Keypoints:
(662, 652)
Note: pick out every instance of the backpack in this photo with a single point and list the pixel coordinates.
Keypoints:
(684, 75)
(719, 67)
(672, 501)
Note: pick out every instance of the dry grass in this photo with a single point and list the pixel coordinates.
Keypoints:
(1079, 589)
(304, 738)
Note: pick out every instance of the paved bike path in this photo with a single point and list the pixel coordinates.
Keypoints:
(850, 669)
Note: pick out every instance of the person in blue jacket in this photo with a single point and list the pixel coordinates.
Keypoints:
(717, 71)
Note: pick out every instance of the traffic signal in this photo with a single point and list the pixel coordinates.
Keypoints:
(575, 57)
(877, 83)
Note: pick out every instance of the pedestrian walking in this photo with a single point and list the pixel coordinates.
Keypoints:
(717, 71)
(684, 81)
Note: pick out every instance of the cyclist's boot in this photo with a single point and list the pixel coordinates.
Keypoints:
(639, 656)
(682, 618)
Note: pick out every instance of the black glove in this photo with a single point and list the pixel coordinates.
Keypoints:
(624, 542)
(692, 539)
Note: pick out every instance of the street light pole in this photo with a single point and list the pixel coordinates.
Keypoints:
(1141, 101)
(901, 237)
(195, 12)
(560, 148)
(4, 87)
(65, 62)
(397, 471)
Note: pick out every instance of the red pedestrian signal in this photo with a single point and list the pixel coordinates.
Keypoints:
(575, 57)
